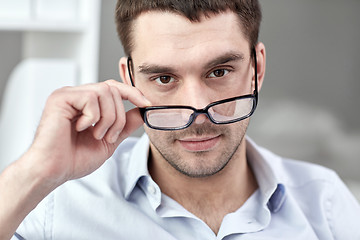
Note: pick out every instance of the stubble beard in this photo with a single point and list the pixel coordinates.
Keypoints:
(199, 164)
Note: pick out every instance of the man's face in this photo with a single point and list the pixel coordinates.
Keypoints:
(178, 62)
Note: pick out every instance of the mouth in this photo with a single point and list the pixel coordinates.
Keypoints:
(199, 144)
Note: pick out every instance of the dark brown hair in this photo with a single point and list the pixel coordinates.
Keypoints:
(127, 11)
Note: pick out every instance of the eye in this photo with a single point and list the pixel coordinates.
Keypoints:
(162, 80)
(218, 73)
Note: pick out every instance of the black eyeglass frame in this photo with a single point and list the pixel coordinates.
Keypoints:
(197, 112)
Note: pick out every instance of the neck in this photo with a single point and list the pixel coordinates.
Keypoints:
(224, 192)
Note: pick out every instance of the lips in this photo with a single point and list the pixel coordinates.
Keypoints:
(199, 144)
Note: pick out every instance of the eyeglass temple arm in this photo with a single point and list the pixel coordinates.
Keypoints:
(130, 67)
(256, 77)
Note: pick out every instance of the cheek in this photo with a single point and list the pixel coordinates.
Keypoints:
(159, 137)
(237, 130)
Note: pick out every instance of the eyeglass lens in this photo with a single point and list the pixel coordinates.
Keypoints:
(169, 118)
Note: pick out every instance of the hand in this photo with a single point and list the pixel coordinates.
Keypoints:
(81, 128)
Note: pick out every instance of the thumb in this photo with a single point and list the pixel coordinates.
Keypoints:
(133, 122)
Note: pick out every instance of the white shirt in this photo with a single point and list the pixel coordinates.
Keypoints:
(295, 200)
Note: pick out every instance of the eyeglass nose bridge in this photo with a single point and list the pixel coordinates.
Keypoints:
(198, 112)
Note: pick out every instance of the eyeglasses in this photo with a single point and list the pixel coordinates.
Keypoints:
(176, 117)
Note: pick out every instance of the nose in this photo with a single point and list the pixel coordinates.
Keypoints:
(196, 94)
(200, 119)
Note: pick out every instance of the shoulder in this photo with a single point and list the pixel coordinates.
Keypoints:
(296, 173)
(318, 191)
(300, 173)
(321, 194)
(307, 183)
(87, 196)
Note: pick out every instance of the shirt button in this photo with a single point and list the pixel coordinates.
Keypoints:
(152, 189)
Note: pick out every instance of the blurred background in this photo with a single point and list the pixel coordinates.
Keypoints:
(309, 103)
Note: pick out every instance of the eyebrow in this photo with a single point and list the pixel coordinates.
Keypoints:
(225, 58)
(153, 69)
(222, 59)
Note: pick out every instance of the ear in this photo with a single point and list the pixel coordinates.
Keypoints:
(123, 71)
(261, 63)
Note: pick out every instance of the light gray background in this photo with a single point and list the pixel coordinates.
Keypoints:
(309, 104)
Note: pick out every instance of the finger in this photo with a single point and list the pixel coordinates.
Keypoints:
(107, 111)
(88, 118)
(130, 93)
(118, 125)
(87, 105)
(133, 122)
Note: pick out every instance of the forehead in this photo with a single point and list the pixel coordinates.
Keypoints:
(168, 34)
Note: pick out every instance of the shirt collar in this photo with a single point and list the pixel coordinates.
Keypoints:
(268, 172)
(138, 164)
(266, 167)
